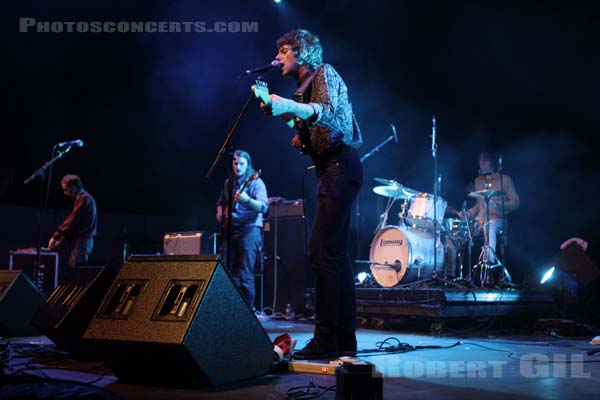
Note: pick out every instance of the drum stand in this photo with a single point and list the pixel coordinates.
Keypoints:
(482, 267)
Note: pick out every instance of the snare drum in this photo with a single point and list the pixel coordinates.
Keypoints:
(456, 228)
(403, 255)
(420, 213)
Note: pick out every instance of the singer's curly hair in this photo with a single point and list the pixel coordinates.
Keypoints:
(306, 46)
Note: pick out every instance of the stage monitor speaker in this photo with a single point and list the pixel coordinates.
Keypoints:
(19, 300)
(179, 320)
(67, 312)
(286, 275)
(574, 260)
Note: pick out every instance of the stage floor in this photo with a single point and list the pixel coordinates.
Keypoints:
(460, 364)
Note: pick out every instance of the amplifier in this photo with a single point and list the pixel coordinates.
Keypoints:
(286, 208)
(190, 243)
(46, 278)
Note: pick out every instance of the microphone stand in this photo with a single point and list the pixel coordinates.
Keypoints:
(503, 243)
(357, 212)
(436, 181)
(217, 159)
(41, 173)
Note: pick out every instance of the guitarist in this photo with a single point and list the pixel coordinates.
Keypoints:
(250, 203)
(75, 236)
(328, 132)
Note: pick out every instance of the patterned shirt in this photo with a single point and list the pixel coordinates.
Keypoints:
(333, 122)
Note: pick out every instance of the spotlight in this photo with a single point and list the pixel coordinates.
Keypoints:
(547, 275)
(361, 277)
(277, 1)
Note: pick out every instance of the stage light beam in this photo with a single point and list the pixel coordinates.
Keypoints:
(361, 277)
(547, 275)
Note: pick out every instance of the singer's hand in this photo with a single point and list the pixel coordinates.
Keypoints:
(266, 108)
(52, 244)
(279, 105)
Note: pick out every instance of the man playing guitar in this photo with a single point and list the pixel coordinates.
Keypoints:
(250, 203)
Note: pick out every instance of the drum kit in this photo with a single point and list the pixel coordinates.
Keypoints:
(415, 250)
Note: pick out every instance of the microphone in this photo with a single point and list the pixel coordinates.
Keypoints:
(72, 143)
(433, 146)
(395, 134)
(500, 163)
(273, 65)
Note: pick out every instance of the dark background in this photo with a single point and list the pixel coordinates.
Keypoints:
(519, 78)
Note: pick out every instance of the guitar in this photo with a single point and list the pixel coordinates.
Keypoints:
(240, 190)
(249, 179)
(261, 91)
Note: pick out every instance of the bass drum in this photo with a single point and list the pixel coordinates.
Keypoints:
(403, 255)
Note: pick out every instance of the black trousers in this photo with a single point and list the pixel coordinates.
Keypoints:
(339, 179)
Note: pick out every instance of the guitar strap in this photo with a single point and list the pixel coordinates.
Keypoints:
(302, 95)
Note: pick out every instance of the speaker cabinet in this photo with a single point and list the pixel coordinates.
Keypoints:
(19, 300)
(286, 275)
(178, 320)
(67, 312)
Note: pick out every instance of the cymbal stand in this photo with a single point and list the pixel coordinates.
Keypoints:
(505, 275)
(469, 245)
(357, 215)
(384, 216)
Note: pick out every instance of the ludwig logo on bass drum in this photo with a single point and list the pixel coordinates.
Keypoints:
(391, 242)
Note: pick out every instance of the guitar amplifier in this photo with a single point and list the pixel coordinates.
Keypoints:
(286, 208)
(190, 243)
(46, 277)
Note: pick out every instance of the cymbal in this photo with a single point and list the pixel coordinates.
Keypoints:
(387, 182)
(485, 193)
(397, 192)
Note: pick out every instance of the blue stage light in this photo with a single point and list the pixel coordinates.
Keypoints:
(361, 277)
(547, 275)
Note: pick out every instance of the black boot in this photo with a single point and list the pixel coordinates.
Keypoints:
(321, 346)
(347, 343)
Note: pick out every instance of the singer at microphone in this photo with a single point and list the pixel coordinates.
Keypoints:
(328, 132)
(72, 143)
(273, 65)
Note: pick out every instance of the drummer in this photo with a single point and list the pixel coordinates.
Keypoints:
(490, 180)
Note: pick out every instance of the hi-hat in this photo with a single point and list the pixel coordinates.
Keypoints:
(485, 193)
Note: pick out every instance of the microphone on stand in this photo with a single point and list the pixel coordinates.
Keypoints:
(273, 65)
(395, 134)
(72, 143)
(500, 163)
